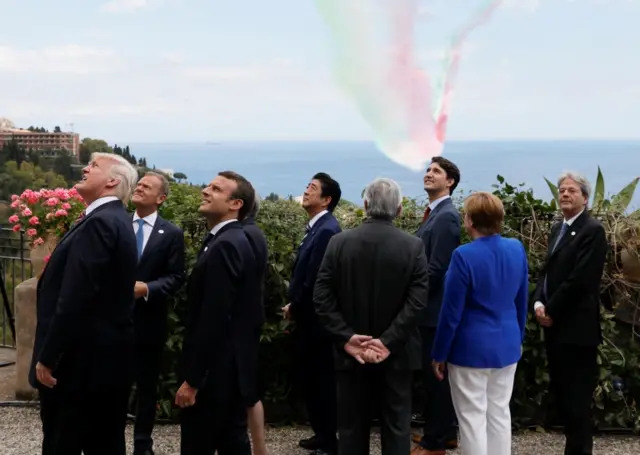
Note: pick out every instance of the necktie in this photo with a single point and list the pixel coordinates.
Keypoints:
(426, 214)
(563, 230)
(140, 236)
(306, 232)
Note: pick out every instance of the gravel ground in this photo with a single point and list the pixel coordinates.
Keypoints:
(20, 435)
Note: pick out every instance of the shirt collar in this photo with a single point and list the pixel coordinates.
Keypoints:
(570, 221)
(316, 218)
(98, 202)
(435, 203)
(149, 219)
(219, 226)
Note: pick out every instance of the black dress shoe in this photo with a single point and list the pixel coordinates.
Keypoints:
(143, 452)
(322, 452)
(311, 443)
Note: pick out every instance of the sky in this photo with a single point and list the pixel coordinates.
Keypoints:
(219, 70)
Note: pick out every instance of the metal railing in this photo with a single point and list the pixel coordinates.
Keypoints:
(15, 267)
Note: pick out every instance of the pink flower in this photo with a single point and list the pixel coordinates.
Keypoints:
(16, 227)
(66, 206)
(52, 202)
(31, 232)
(61, 212)
(14, 197)
(34, 220)
(49, 216)
(46, 258)
(38, 241)
(14, 219)
(15, 204)
(27, 212)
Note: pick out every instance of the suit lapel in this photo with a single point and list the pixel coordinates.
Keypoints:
(433, 214)
(207, 247)
(569, 235)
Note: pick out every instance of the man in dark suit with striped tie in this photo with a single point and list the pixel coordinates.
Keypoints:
(440, 233)
(313, 345)
(160, 274)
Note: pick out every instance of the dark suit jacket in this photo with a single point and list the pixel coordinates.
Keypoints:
(574, 271)
(306, 267)
(85, 304)
(222, 292)
(259, 244)
(374, 281)
(440, 235)
(162, 268)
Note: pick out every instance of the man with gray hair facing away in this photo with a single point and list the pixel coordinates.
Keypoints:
(567, 305)
(371, 285)
(83, 351)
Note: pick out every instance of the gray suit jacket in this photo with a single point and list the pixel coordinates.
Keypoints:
(373, 281)
(440, 235)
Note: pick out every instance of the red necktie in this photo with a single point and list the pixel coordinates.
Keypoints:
(426, 214)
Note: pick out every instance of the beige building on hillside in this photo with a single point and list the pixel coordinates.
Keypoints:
(39, 141)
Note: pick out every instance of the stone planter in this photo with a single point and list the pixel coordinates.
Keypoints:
(40, 252)
(631, 264)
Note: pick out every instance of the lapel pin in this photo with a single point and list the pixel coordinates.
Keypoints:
(573, 232)
(160, 231)
(206, 248)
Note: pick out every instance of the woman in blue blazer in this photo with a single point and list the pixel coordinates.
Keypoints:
(482, 326)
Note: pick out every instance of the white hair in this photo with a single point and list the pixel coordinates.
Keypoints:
(383, 197)
(581, 180)
(256, 206)
(121, 170)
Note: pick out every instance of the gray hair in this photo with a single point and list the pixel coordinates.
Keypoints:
(383, 198)
(122, 170)
(255, 208)
(164, 181)
(581, 180)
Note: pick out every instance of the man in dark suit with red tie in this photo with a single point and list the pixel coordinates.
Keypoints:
(440, 233)
(313, 344)
(83, 351)
(567, 305)
(222, 315)
(161, 273)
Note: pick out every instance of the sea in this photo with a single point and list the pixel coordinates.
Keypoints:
(286, 167)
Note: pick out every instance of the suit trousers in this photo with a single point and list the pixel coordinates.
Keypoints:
(317, 374)
(364, 390)
(90, 423)
(439, 414)
(573, 373)
(148, 364)
(481, 399)
(213, 424)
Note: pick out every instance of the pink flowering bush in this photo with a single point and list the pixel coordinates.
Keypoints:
(44, 212)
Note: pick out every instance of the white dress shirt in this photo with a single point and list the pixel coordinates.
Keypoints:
(316, 218)
(98, 202)
(569, 222)
(434, 204)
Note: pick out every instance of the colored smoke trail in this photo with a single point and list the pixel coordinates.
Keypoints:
(391, 92)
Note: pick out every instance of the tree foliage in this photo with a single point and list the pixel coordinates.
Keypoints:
(527, 218)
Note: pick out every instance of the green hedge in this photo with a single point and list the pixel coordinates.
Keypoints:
(527, 218)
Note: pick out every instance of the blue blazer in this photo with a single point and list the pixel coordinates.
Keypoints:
(306, 266)
(484, 309)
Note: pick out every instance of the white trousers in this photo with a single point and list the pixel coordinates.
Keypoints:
(481, 399)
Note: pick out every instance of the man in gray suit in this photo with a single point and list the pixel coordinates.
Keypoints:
(370, 288)
(440, 233)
